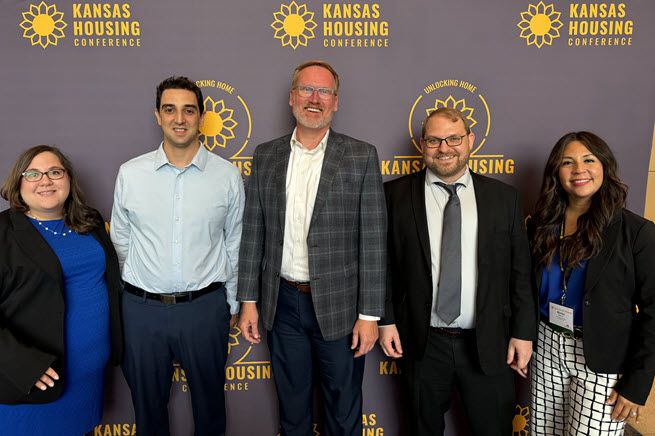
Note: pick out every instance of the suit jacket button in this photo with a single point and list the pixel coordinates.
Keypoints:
(277, 274)
(587, 303)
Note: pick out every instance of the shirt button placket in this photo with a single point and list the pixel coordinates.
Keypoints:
(177, 231)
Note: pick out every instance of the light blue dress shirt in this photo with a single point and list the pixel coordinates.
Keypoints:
(178, 230)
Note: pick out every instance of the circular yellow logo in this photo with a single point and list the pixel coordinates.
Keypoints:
(227, 123)
(455, 94)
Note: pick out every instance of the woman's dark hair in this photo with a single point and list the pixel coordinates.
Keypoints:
(77, 215)
(551, 205)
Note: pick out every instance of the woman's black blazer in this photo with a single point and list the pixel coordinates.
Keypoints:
(32, 309)
(617, 338)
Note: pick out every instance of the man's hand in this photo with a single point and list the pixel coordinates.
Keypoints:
(365, 333)
(47, 380)
(233, 320)
(390, 341)
(248, 320)
(623, 408)
(519, 352)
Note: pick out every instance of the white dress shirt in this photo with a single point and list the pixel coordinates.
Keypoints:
(178, 230)
(303, 177)
(436, 198)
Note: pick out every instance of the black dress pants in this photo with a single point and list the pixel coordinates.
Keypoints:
(449, 363)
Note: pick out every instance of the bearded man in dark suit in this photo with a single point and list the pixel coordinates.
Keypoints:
(460, 310)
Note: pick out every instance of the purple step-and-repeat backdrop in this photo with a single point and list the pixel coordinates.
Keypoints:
(82, 76)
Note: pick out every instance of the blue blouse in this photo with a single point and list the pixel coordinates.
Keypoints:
(551, 289)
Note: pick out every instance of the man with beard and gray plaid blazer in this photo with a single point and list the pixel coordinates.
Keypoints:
(313, 257)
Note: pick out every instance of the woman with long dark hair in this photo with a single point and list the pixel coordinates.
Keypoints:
(59, 305)
(593, 268)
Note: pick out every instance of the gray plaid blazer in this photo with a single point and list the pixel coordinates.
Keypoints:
(346, 240)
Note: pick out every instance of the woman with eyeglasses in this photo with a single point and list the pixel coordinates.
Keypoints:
(593, 266)
(59, 302)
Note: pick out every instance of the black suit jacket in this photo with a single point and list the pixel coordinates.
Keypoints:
(505, 302)
(32, 309)
(616, 338)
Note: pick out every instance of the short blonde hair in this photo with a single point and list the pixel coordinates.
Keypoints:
(315, 63)
(449, 113)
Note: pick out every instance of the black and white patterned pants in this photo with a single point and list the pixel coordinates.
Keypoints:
(567, 397)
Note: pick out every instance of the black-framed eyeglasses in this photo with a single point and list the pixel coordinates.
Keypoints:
(308, 91)
(452, 141)
(36, 175)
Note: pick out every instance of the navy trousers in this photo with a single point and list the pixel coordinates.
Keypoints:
(297, 347)
(196, 334)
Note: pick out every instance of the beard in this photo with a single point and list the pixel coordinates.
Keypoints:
(323, 121)
(461, 161)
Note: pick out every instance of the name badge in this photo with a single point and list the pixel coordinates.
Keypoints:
(561, 316)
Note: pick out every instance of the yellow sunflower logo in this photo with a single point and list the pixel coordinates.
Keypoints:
(294, 25)
(234, 338)
(520, 421)
(460, 105)
(218, 125)
(43, 25)
(540, 24)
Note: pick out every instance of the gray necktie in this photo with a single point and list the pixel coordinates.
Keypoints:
(450, 265)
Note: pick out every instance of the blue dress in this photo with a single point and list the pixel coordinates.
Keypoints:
(87, 346)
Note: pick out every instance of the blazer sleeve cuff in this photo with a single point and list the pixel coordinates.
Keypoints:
(635, 386)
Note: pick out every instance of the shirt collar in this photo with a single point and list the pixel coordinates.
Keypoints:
(321, 145)
(199, 160)
(431, 178)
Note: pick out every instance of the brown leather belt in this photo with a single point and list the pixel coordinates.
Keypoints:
(178, 297)
(452, 332)
(302, 287)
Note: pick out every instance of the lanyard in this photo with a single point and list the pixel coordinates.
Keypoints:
(566, 271)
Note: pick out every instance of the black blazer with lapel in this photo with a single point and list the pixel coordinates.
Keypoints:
(616, 338)
(505, 302)
(32, 309)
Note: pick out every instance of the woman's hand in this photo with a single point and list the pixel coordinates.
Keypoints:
(623, 408)
(47, 380)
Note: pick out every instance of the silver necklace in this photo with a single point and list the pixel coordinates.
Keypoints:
(38, 221)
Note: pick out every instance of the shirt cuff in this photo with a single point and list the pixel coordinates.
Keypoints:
(369, 317)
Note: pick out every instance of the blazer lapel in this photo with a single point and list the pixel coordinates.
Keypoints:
(420, 216)
(331, 162)
(35, 247)
(281, 163)
(597, 263)
(485, 221)
(539, 271)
